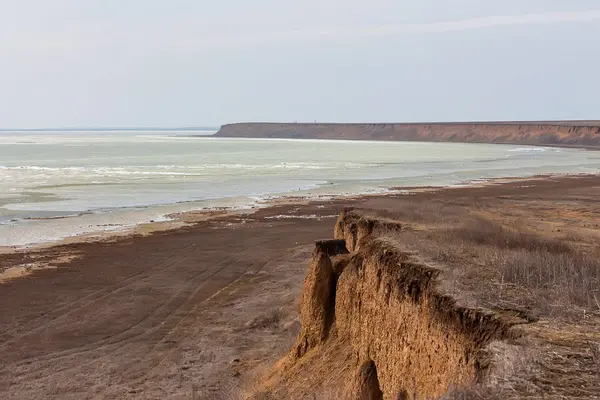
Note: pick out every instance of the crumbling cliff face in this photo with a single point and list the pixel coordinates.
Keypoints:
(379, 306)
(567, 133)
(356, 228)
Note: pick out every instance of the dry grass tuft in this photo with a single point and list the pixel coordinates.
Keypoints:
(268, 320)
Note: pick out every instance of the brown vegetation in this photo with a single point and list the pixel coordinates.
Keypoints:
(553, 274)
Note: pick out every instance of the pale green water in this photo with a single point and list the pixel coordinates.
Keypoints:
(121, 178)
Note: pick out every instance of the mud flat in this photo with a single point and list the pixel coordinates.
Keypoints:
(478, 291)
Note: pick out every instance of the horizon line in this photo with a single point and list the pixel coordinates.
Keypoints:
(113, 128)
(217, 127)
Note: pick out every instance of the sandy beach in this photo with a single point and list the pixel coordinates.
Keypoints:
(202, 309)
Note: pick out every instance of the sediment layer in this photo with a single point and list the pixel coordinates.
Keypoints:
(562, 133)
(405, 338)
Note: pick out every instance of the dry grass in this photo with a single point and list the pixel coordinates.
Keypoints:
(544, 274)
(480, 231)
(595, 352)
(553, 273)
(566, 279)
(500, 263)
(268, 320)
(420, 213)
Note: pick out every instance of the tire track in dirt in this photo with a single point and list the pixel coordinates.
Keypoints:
(145, 325)
(156, 363)
(97, 295)
(159, 330)
(148, 301)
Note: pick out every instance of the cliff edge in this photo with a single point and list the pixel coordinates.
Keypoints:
(485, 292)
(375, 325)
(567, 133)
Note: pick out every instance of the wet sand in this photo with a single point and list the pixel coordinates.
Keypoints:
(189, 312)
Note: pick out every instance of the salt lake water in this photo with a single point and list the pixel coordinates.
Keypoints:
(58, 184)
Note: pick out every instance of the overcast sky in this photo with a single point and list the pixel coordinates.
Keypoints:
(66, 63)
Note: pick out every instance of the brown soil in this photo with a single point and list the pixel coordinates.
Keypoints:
(200, 311)
(156, 317)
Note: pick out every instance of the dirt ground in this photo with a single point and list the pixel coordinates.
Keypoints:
(161, 316)
(197, 312)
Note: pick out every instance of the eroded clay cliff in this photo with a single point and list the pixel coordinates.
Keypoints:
(375, 325)
(567, 133)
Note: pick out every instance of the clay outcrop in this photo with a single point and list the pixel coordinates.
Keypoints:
(563, 133)
(354, 228)
(373, 313)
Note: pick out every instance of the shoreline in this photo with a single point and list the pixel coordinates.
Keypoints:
(33, 227)
(187, 219)
(173, 221)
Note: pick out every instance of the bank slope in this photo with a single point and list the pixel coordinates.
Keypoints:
(567, 133)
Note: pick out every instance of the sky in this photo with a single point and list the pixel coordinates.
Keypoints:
(127, 63)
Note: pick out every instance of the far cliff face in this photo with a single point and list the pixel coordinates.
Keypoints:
(576, 133)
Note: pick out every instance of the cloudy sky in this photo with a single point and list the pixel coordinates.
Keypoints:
(66, 63)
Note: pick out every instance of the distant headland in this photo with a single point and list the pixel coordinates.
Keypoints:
(547, 133)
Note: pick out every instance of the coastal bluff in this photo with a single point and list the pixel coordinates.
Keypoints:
(558, 133)
(376, 326)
